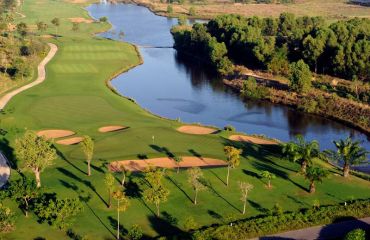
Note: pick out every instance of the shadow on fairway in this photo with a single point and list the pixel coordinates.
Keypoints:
(85, 182)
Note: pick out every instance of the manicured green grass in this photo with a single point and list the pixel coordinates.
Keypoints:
(75, 97)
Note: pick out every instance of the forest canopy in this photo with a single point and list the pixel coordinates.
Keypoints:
(340, 49)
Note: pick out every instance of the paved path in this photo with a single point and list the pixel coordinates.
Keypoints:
(4, 170)
(40, 78)
(326, 232)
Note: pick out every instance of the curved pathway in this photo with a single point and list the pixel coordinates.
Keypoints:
(40, 78)
(4, 167)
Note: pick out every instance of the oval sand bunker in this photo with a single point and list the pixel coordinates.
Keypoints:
(55, 133)
(196, 130)
(111, 128)
(70, 141)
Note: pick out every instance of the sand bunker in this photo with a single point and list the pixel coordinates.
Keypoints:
(165, 162)
(55, 133)
(81, 20)
(196, 130)
(250, 139)
(111, 128)
(70, 141)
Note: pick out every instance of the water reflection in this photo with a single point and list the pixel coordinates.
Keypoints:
(179, 86)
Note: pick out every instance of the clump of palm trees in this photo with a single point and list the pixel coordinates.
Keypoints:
(349, 153)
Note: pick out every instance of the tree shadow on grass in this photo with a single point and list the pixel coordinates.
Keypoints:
(113, 222)
(133, 190)
(179, 187)
(215, 215)
(258, 206)
(218, 177)
(169, 218)
(85, 199)
(61, 155)
(265, 167)
(164, 150)
(164, 228)
(85, 182)
(298, 201)
(195, 153)
(8, 152)
(213, 190)
(252, 174)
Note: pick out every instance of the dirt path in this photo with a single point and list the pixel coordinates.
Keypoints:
(4, 170)
(40, 78)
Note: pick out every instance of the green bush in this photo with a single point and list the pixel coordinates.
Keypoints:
(269, 224)
(229, 128)
(357, 234)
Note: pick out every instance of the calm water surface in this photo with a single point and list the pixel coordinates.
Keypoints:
(173, 87)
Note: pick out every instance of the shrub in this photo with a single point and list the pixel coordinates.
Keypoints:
(252, 90)
(268, 224)
(357, 234)
(103, 19)
(192, 11)
(300, 77)
(7, 219)
(229, 128)
(308, 105)
(135, 232)
(169, 9)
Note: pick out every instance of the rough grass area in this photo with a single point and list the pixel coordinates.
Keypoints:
(75, 97)
(330, 9)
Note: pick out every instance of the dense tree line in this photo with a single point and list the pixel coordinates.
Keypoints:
(340, 49)
(18, 48)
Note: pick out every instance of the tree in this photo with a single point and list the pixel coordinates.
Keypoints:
(109, 182)
(195, 178)
(156, 196)
(350, 153)
(88, 148)
(35, 152)
(75, 26)
(245, 188)
(41, 26)
(22, 29)
(24, 191)
(356, 234)
(7, 219)
(122, 204)
(56, 23)
(301, 151)
(59, 213)
(169, 9)
(178, 160)
(125, 173)
(182, 20)
(103, 19)
(300, 77)
(233, 159)
(157, 193)
(192, 11)
(315, 174)
(135, 232)
(268, 175)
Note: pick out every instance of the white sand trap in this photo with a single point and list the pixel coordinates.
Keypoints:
(80, 20)
(70, 141)
(165, 162)
(55, 133)
(251, 139)
(111, 128)
(196, 130)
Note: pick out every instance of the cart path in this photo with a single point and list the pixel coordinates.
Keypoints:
(40, 78)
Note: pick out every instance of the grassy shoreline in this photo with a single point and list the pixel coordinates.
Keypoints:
(75, 96)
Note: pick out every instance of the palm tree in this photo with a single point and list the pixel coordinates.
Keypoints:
(315, 174)
(349, 153)
(301, 151)
(269, 176)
